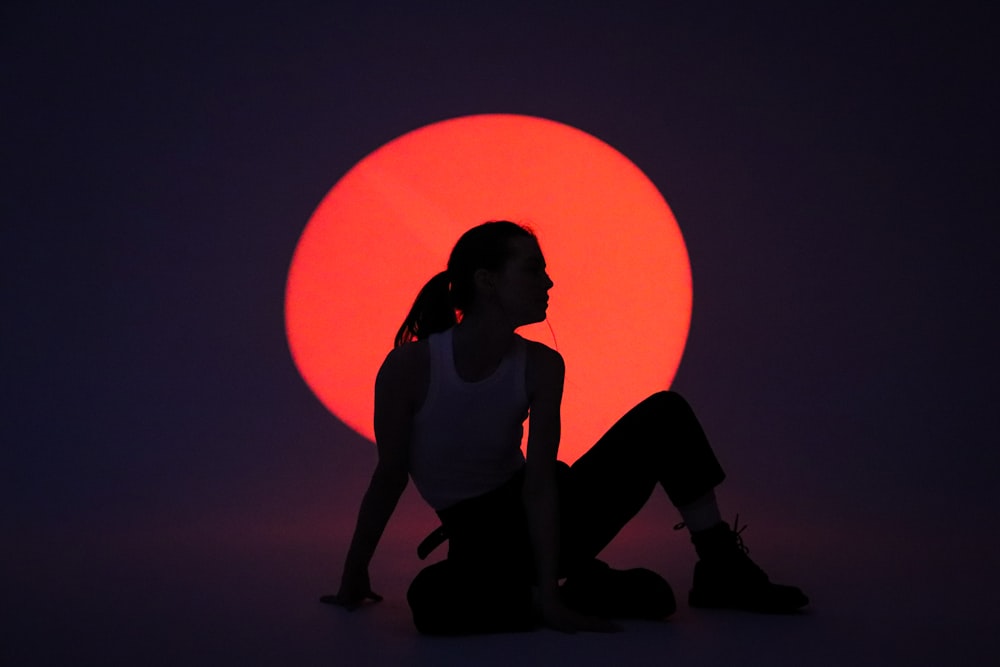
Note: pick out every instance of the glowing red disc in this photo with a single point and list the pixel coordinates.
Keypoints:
(621, 305)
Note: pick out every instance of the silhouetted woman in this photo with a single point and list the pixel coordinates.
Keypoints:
(451, 400)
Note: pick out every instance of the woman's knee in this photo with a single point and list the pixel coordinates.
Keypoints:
(664, 403)
(446, 600)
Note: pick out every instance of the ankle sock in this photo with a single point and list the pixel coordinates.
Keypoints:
(702, 514)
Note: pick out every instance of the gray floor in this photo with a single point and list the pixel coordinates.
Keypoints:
(239, 588)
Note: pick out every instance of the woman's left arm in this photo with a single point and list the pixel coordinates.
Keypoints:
(546, 372)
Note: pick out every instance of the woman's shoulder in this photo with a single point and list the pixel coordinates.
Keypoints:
(408, 363)
(408, 357)
(405, 373)
(540, 352)
(542, 363)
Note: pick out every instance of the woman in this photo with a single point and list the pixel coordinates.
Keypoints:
(450, 402)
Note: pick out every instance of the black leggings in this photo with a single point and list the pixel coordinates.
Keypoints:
(484, 585)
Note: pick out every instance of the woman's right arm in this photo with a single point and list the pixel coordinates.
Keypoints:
(394, 410)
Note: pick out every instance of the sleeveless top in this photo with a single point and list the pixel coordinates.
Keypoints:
(466, 437)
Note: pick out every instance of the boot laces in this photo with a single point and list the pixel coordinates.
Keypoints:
(736, 531)
(738, 535)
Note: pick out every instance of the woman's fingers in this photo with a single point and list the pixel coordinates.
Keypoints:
(600, 625)
(350, 602)
(564, 619)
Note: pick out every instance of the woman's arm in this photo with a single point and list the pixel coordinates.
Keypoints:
(394, 409)
(546, 371)
(545, 382)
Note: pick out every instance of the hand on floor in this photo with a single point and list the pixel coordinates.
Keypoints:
(559, 617)
(355, 589)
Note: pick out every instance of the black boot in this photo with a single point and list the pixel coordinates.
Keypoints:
(598, 590)
(725, 577)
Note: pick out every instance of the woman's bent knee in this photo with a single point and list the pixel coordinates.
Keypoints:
(447, 601)
(663, 403)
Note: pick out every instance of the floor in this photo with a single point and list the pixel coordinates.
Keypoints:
(230, 589)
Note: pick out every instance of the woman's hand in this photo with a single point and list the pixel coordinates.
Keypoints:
(355, 588)
(393, 422)
(559, 617)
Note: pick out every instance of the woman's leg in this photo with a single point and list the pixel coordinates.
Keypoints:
(658, 442)
(661, 442)
(484, 585)
(449, 599)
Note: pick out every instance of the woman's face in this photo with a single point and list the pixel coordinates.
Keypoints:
(522, 286)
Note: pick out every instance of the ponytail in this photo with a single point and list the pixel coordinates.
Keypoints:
(432, 312)
(450, 292)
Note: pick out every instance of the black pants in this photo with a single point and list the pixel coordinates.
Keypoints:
(484, 585)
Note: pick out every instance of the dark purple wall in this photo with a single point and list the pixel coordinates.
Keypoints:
(832, 169)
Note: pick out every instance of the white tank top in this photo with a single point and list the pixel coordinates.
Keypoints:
(467, 435)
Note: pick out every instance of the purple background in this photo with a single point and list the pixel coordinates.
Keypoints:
(832, 168)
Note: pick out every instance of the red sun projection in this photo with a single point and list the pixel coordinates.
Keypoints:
(621, 305)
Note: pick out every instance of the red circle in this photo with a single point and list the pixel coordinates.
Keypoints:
(621, 305)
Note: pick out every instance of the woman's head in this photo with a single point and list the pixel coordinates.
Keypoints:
(476, 264)
(486, 247)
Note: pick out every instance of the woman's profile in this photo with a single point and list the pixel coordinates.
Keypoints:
(451, 401)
